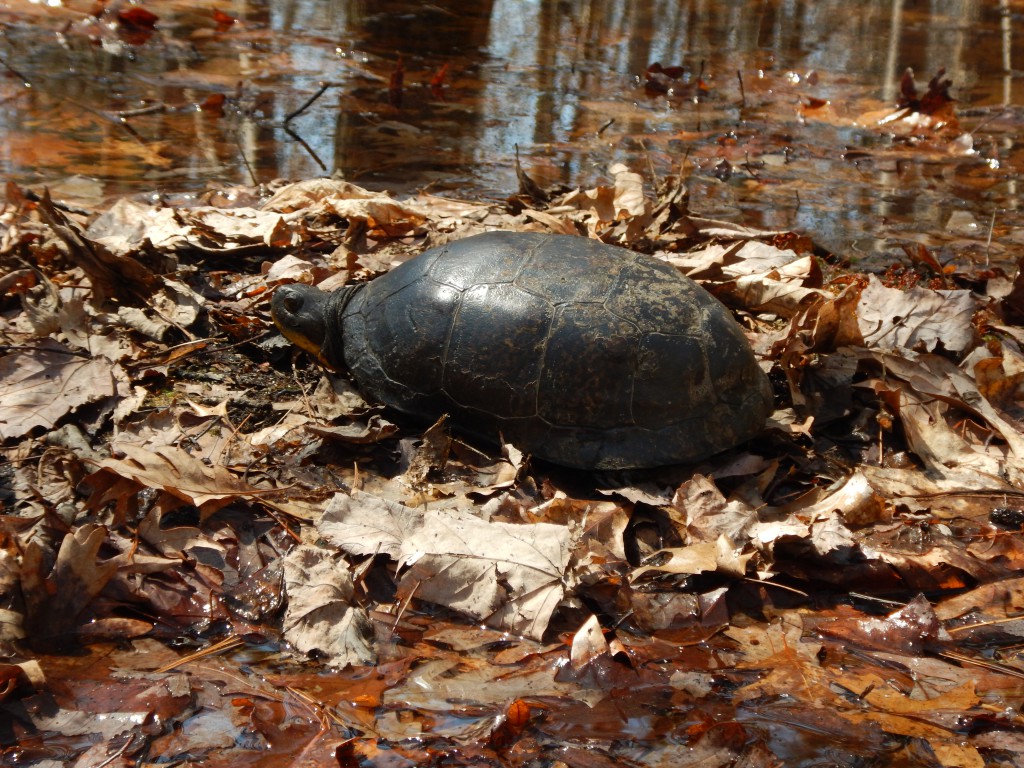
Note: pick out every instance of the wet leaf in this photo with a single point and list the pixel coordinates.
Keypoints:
(911, 629)
(56, 600)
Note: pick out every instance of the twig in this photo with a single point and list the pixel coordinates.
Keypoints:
(696, 98)
(993, 622)
(970, 660)
(227, 644)
(245, 160)
(305, 146)
(650, 164)
(988, 242)
(784, 587)
(24, 80)
(308, 103)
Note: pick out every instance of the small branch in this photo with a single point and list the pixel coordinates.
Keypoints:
(24, 80)
(245, 160)
(305, 146)
(308, 103)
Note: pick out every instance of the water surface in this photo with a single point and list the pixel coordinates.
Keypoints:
(214, 95)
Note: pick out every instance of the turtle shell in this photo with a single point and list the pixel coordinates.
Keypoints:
(577, 352)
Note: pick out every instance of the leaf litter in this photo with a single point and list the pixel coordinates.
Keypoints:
(213, 550)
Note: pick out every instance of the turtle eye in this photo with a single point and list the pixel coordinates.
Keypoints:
(292, 303)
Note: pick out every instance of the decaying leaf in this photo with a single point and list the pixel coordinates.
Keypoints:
(180, 477)
(344, 200)
(508, 576)
(321, 615)
(908, 630)
(516, 574)
(39, 386)
(56, 600)
(112, 274)
(917, 319)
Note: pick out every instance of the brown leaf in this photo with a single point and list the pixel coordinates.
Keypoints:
(26, 674)
(709, 515)
(320, 615)
(374, 430)
(431, 453)
(510, 726)
(137, 18)
(54, 601)
(39, 386)
(934, 376)
(362, 524)
(112, 275)
(509, 576)
(917, 319)
(527, 186)
(588, 643)
(910, 630)
(701, 557)
(1004, 598)
(854, 499)
(343, 200)
(178, 474)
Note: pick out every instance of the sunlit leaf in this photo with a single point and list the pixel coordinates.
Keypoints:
(39, 386)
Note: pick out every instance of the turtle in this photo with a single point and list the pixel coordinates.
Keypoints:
(577, 352)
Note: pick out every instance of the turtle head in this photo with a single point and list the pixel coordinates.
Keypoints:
(301, 313)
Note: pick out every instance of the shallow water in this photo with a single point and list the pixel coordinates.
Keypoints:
(95, 109)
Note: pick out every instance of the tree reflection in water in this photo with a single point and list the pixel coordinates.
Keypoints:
(563, 81)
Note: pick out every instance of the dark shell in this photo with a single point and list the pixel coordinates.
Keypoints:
(577, 352)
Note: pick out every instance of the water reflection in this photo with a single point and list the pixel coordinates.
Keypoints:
(559, 79)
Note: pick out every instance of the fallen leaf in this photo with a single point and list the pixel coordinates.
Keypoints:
(182, 477)
(509, 576)
(39, 386)
(588, 643)
(320, 615)
(54, 601)
(910, 630)
(362, 524)
(917, 319)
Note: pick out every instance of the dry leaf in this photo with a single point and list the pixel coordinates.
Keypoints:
(320, 615)
(181, 476)
(39, 386)
(588, 643)
(917, 319)
(508, 576)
